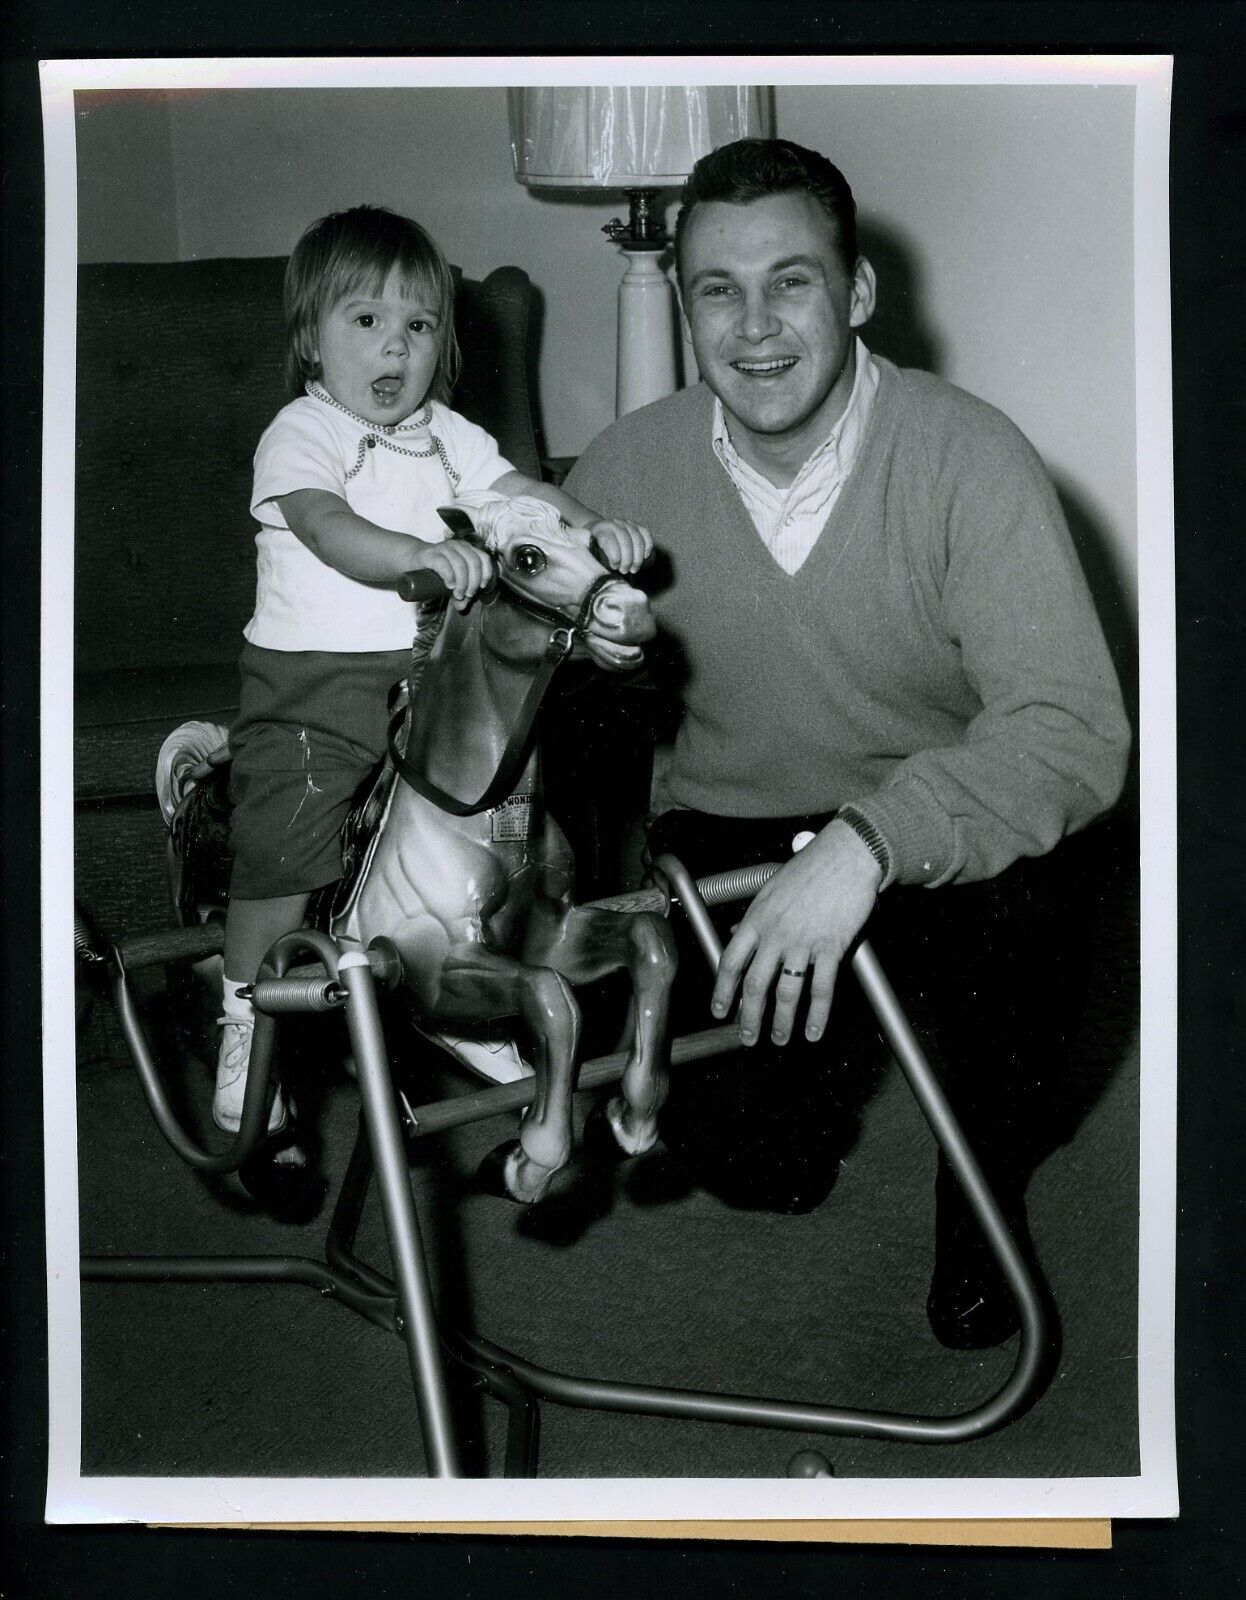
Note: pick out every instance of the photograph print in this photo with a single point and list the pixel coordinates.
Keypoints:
(620, 854)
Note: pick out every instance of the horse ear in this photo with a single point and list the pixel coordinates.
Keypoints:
(460, 524)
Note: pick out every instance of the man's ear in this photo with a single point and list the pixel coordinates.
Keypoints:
(864, 285)
(460, 524)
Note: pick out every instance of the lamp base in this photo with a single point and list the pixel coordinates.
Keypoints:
(646, 368)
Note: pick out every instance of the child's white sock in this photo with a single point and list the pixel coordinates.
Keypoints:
(232, 1004)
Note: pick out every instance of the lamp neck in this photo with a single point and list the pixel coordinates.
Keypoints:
(645, 227)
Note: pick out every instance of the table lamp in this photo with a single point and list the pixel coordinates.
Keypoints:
(638, 140)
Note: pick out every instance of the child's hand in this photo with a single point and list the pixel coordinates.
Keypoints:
(623, 546)
(464, 568)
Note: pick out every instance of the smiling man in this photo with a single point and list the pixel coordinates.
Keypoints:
(892, 680)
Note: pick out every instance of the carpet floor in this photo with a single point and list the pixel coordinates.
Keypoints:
(626, 1272)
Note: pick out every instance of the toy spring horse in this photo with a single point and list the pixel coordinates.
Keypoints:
(470, 879)
(463, 894)
(466, 876)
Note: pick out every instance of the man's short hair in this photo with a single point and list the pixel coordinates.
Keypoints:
(752, 169)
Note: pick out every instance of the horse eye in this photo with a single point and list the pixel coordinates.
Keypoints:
(528, 560)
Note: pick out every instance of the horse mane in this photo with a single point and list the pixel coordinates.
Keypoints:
(429, 621)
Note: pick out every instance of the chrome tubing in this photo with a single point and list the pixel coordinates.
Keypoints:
(254, 1127)
(332, 1285)
(605, 1395)
(693, 897)
(351, 980)
(439, 1115)
(417, 1314)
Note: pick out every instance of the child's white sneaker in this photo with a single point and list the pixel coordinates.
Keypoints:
(231, 1078)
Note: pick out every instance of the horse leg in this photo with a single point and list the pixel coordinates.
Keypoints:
(591, 943)
(480, 983)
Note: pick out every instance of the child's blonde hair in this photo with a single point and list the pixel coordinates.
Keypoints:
(355, 251)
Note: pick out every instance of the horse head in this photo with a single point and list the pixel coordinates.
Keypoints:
(555, 573)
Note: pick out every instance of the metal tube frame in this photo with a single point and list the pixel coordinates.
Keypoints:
(406, 1309)
(403, 1304)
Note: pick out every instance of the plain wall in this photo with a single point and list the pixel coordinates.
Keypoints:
(127, 198)
(999, 219)
(1001, 225)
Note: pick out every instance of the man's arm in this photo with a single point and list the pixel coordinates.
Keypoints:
(1045, 754)
(1046, 750)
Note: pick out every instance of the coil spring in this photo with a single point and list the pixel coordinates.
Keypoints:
(88, 945)
(277, 996)
(740, 884)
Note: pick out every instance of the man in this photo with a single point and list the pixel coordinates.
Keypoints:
(887, 650)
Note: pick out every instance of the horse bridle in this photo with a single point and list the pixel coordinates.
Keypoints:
(515, 755)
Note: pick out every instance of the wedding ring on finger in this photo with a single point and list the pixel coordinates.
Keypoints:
(794, 972)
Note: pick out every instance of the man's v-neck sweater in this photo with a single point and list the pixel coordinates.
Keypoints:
(936, 661)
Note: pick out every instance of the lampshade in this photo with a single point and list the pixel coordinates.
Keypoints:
(600, 138)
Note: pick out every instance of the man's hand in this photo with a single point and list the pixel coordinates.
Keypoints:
(806, 916)
(623, 546)
(463, 567)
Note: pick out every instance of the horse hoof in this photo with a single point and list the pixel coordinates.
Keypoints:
(278, 1177)
(631, 1144)
(507, 1173)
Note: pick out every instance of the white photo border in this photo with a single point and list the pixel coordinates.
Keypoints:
(72, 1498)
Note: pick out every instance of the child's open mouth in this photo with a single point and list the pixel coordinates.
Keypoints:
(387, 390)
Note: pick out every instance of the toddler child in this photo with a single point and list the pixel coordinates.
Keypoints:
(348, 479)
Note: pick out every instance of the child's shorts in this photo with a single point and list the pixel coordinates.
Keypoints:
(310, 729)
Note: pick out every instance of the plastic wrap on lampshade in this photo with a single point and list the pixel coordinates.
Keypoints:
(617, 138)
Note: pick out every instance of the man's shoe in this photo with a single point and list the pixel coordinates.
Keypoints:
(284, 1182)
(970, 1306)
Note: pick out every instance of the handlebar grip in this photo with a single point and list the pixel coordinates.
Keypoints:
(423, 585)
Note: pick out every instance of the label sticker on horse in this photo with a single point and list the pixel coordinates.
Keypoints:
(512, 819)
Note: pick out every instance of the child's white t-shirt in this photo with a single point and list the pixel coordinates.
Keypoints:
(398, 482)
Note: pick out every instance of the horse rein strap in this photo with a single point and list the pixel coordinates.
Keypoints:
(515, 753)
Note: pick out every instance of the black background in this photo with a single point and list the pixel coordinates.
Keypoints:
(1202, 1553)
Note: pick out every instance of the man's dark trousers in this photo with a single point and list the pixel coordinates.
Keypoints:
(991, 974)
